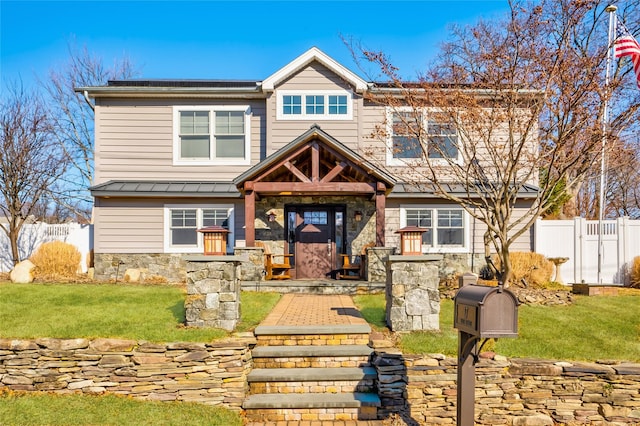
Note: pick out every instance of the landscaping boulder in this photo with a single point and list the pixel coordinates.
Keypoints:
(23, 272)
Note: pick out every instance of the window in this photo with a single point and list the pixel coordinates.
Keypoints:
(315, 217)
(446, 227)
(412, 134)
(314, 105)
(211, 135)
(182, 223)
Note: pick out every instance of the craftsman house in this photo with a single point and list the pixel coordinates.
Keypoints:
(279, 163)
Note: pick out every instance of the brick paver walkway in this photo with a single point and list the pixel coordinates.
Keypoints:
(312, 309)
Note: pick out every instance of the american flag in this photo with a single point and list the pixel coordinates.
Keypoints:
(626, 45)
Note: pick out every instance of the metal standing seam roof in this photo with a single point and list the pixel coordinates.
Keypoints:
(164, 188)
(229, 190)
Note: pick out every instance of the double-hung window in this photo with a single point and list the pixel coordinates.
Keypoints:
(212, 135)
(414, 136)
(314, 105)
(183, 221)
(446, 227)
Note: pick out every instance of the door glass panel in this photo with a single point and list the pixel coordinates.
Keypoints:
(339, 239)
(315, 217)
(291, 235)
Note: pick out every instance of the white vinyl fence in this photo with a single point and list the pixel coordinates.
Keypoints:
(578, 240)
(32, 235)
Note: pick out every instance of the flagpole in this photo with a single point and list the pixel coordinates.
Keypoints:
(611, 9)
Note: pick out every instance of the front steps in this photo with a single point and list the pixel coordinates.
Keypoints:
(312, 373)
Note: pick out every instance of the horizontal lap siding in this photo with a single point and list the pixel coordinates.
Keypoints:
(128, 226)
(135, 142)
(137, 226)
(314, 77)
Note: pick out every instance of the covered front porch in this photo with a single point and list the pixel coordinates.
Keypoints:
(319, 205)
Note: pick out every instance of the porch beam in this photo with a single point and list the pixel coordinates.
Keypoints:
(250, 218)
(290, 188)
(380, 219)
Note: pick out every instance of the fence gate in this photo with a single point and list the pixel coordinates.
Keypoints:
(578, 240)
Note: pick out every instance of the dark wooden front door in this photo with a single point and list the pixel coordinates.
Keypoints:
(315, 245)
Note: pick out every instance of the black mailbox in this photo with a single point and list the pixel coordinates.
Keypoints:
(486, 312)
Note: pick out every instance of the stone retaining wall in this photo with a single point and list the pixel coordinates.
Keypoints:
(213, 373)
(422, 390)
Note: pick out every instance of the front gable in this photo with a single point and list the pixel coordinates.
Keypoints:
(314, 54)
(314, 163)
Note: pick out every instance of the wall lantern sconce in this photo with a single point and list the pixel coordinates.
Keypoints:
(357, 216)
(271, 216)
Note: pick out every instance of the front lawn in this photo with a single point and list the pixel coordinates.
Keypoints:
(48, 409)
(592, 328)
(153, 313)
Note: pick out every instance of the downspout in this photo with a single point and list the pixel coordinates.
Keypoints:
(88, 101)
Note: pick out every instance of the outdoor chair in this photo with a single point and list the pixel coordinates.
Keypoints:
(274, 270)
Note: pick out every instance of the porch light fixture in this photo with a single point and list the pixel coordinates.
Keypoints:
(271, 216)
(215, 240)
(357, 216)
(411, 240)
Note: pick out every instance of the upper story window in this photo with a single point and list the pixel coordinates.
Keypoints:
(415, 135)
(206, 135)
(314, 105)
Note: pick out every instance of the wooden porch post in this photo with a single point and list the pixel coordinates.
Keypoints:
(249, 217)
(380, 218)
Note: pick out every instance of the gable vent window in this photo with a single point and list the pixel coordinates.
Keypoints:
(206, 135)
(314, 105)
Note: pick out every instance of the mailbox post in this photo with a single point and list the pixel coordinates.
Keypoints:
(480, 312)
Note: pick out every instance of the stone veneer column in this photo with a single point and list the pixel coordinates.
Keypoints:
(413, 299)
(377, 258)
(213, 291)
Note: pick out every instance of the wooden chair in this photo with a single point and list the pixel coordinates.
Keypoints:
(353, 266)
(274, 270)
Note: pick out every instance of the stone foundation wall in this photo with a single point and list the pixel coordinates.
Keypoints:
(422, 390)
(112, 266)
(213, 373)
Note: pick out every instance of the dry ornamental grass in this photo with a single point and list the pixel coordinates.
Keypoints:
(56, 260)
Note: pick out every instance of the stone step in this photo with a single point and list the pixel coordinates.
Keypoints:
(311, 374)
(313, 335)
(313, 400)
(311, 356)
(312, 386)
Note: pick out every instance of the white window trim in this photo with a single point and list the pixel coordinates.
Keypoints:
(391, 160)
(304, 116)
(465, 248)
(178, 161)
(199, 248)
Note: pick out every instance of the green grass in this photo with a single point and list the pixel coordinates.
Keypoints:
(153, 313)
(47, 409)
(591, 328)
(372, 308)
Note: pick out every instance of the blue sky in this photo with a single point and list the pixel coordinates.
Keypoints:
(223, 40)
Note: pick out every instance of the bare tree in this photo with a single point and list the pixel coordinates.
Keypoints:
(508, 107)
(73, 118)
(31, 161)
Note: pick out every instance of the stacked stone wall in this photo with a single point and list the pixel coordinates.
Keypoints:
(422, 390)
(213, 373)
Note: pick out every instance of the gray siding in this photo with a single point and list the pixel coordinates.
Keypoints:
(314, 77)
(134, 140)
(137, 226)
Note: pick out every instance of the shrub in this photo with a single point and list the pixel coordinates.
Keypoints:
(533, 268)
(56, 260)
(635, 272)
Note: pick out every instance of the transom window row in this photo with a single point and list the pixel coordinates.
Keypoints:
(314, 104)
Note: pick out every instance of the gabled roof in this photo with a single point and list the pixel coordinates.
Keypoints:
(359, 163)
(314, 54)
